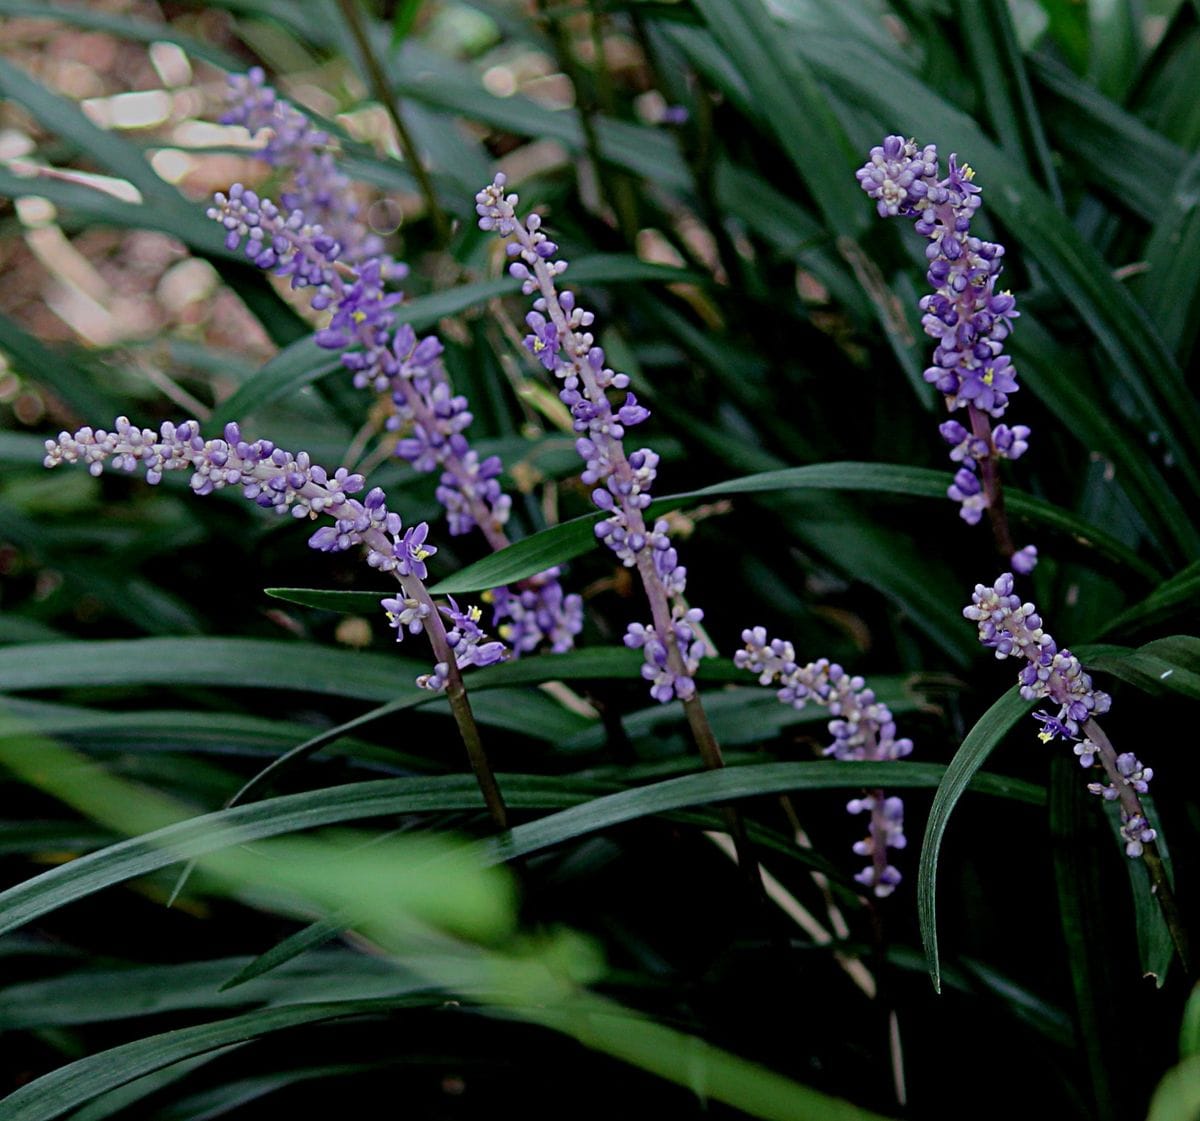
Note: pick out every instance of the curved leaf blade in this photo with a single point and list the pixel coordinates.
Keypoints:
(983, 738)
(574, 538)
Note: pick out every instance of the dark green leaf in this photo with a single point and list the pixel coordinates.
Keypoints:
(576, 537)
(357, 801)
(983, 738)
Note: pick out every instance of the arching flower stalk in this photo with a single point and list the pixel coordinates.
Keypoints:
(561, 341)
(1013, 629)
(291, 483)
(393, 361)
(967, 316)
(862, 729)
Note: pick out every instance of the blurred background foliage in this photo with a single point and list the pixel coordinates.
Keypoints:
(695, 160)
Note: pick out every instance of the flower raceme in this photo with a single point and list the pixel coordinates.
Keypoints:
(1014, 630)
(862, 728)
(294, 144)
(965, 313)
(560, 339)
(291, 483)
(391, 359)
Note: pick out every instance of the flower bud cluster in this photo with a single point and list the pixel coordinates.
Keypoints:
(965, 314)
(862, 728)
(272, 478)
(467, 643)
(297, 146)
(560, 339)
(1014, 629)
(391, 360)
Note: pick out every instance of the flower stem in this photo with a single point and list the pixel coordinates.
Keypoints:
(981, 427)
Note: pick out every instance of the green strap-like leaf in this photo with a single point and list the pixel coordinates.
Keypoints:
(303, 362)
(53, 1094)
(574, 538)
(226, 828)
(979, 744)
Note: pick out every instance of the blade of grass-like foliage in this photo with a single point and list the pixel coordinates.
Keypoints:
(97, 206)
(1089, 127)
(599, 814)
(1140, 358)
(418, 74)
(1116, 46)
(93, 995)
(50, 836)
(111, 583)
(1000, 69)
(983, 738)
(1166, 664)
(572, 539)
(1163, 96)
(345, 602)
(72, 381)
(216, 1101)
(282, 953)
(114, 1101)
(125, 27)
(1155, 947)
(895, 566)
(116, 154)
(53, 1094)
(799, 113)
(1170, 289)
(1058, 377)
(1069, 29)
(242, 824)
(1081, 896)
(258, 663)
(1189, 1028)
(788, 227)
(18, 449)
(299, 364)
(303, 362)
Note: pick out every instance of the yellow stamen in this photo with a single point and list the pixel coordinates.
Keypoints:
(968, 172)
(989, 376)
(358, 316)
(422, 554)
(1045, 737)
(474, 614)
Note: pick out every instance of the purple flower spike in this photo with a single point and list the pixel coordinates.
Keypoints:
(863, 728)
(621, 482)
(1014, 629)
(965, 313)
(391, 360)
(287, 483)
(318, 189)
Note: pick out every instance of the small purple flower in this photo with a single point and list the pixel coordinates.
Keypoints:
(862, 729)
(414, 552)
(543, 342)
